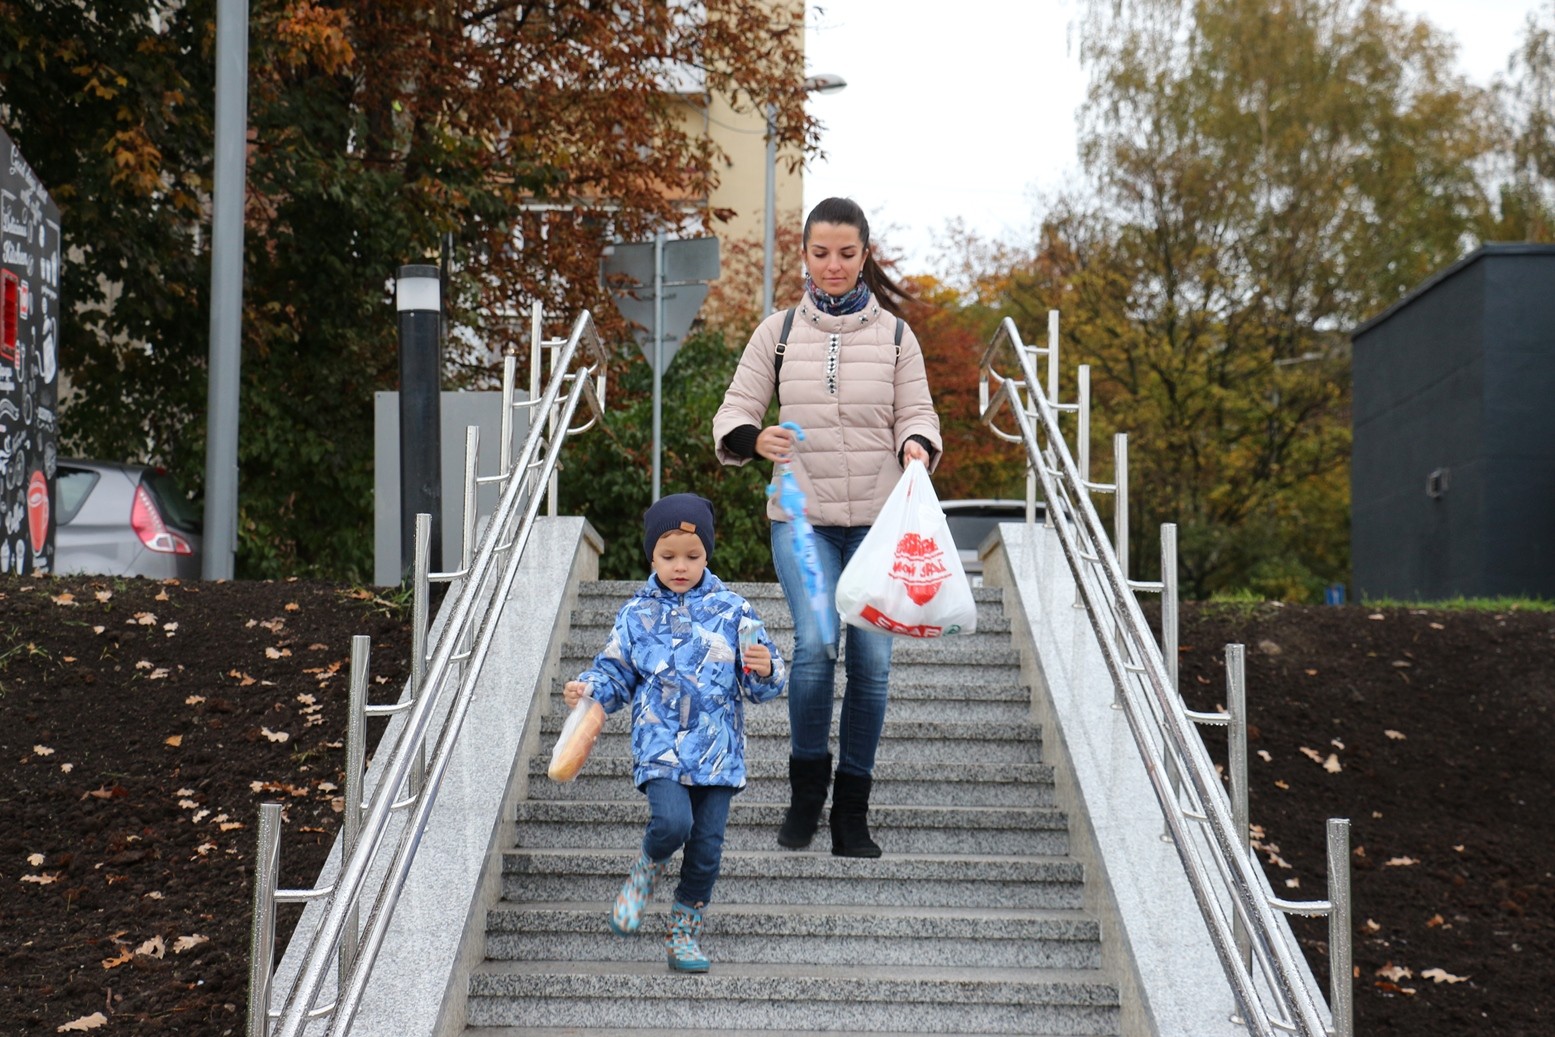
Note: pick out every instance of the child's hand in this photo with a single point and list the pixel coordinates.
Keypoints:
(758, 660)
(572, 691)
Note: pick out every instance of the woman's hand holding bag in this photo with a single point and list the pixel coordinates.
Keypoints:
(906, 578)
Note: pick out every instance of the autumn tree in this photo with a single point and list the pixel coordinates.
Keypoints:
(1267, 173)
(1527, 92)
(507, 141)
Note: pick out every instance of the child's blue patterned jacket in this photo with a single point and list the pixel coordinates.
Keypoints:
(674, 657)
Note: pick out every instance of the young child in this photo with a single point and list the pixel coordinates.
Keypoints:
(674, 656)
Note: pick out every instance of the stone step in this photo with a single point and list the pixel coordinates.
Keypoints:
(607, 776)
(974, 651)
(602, 593)
(606, 1031)
(953, 744)
(813, 876)
(752, 826)
(598, 615)
(796, 934)
(982, 695)
(760, 997)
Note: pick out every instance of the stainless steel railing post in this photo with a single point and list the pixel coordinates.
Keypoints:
(261, 944)
(1341, 982)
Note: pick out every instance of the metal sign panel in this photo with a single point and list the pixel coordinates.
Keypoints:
(680, 309)
(627, 270)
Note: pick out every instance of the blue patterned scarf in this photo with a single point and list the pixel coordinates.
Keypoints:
(855, 299)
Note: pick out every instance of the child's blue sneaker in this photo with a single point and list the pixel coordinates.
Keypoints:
(634, 895)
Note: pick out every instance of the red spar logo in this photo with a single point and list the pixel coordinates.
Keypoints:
(920, 565)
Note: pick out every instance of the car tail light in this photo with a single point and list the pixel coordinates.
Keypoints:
(153, 532)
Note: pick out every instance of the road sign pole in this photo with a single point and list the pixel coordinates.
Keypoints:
(658, 352)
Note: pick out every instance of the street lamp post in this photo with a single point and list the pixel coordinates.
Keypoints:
(824, 83)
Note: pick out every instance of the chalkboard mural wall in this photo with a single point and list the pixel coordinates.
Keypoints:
(29, 365)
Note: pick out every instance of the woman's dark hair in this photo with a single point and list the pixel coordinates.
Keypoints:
(846, 211)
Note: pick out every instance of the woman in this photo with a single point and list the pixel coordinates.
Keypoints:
(847, 370)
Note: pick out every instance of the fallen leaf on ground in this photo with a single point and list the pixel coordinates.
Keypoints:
(292, 606)
(1312, 754)
(42, 880)
(1437, 626)
(145, 619)
(1400, 862)
(123, 956)
(1371, 927)
(1397, 736)
(1331, 765)
(1394, 972)
(194, 700)
(1434, 921)
(86, 1022)
(274, 736)
(152, 948)
(65, 598)
(1376, 615)
(173, 740)
(35, 859)
(1442, 976)
(103, 595)
(185, 943)
(42, 750)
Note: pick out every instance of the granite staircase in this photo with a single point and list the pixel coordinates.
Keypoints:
(971, 923)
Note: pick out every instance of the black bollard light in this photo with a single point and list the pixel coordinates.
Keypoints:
(418, 299)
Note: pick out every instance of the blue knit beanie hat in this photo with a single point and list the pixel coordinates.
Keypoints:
(686, 512)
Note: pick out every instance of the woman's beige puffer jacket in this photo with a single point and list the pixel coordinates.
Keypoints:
(855, 398)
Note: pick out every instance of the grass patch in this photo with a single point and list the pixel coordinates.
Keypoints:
(1466, 604)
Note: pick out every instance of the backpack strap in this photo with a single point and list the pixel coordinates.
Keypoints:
(900, 325)
(777, 355)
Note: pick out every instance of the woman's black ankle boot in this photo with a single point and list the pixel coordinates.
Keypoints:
(808, 780)
(850, 817)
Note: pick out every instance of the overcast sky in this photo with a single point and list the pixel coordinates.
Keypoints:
(980, 121)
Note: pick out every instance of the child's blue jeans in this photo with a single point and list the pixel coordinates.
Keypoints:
(692, 816)
(812, 672)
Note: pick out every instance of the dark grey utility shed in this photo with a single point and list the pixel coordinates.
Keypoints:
(1452, 476)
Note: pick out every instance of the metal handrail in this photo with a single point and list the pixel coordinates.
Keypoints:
(486, 581)
(1274, 994)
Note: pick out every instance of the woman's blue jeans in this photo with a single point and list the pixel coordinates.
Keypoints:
(812, 673)
(693, 816)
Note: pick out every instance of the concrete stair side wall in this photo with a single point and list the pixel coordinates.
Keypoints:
(436, 935)
(1154, 938)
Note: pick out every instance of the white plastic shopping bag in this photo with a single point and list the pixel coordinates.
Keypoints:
(906, 578)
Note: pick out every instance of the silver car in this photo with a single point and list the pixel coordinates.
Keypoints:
(123, 520)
